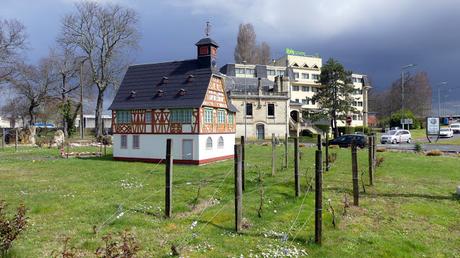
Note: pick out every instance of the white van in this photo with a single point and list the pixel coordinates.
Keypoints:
(455, 127)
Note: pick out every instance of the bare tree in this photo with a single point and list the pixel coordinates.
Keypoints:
(32, 84)
(263, 53)
(101, 33)
(417, 92)
(66, 66)
(12, 41)
(15, 109)
(246, 48)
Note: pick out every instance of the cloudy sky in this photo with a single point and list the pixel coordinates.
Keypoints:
(373, 37)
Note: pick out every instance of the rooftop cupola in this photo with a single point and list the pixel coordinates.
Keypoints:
(207, 50)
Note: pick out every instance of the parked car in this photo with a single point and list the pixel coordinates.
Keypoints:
(446, 132)
(345, 141)
(455, 127)
(396, 136)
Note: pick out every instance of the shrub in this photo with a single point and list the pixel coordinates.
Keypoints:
(379, 161)
(418, 147)
(434, 153)
(10, 228)
(125, 245)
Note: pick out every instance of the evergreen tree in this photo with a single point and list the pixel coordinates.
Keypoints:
(335, 95)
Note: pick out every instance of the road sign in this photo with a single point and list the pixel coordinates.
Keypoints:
(432, 126)
(407, 121)
(349, 120)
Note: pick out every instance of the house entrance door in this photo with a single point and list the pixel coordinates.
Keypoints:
(187, 149)
(260, 131)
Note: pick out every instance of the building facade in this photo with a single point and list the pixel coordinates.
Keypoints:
(300, 73)
(263, 105)
(184, 101)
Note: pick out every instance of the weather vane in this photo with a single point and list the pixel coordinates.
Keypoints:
(207, 30)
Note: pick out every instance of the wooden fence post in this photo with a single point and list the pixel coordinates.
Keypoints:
(354, 167)
(238, 188)
(370, 160)
(3, 138)
(296, 166)
(168, 176)
(273, 154)
(243, 164)
(318, 196)
(16, 140)
(319, 144)
(374, 153)
(327, 151)
(286, 150)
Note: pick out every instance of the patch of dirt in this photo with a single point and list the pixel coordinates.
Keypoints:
(202, 205)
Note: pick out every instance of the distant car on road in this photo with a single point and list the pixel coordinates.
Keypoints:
(446, 132)
(396, 136)
(345, 141)
(455, 127)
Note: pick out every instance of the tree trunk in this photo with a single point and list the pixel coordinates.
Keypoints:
(31, 115)
(336, 130)
(64, 100)
(99, 105)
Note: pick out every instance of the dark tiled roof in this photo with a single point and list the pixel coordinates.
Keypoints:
(206, 41)
(158, 86)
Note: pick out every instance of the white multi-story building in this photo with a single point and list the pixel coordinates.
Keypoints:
(303, 73)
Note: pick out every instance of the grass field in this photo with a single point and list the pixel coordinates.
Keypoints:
(410, 212)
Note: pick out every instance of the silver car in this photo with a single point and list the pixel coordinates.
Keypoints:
(396, 136)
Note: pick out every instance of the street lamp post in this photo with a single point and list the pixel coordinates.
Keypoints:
(402, 90)
(439, 97)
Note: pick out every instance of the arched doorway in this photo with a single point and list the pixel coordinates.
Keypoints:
(295, 115)
(260, 131)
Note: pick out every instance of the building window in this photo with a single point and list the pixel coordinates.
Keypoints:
(230, 118)
(221, 116)
(305, 76)
(315, 76)
(123, 117)
(248, 109)
(239, 70)
(314, 89)
(271, 72)
(136, 143)
(181, 116)
(148, 117)
(280, 72)
(251, 71)
(355, 117)
(360, 103)
(209, 143)
(208, 115)
(295, 88)
(296, 75)
(220, 143)
(313, 102)
(297, 100)
(271, 109)
(204, 50)
(305, 88)
(124, 142)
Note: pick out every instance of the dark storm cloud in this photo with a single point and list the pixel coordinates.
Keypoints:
(373, 37)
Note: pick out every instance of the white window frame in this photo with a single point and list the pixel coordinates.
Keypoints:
(124, 141)
(220, 142)
(136, 141)
(209, 143)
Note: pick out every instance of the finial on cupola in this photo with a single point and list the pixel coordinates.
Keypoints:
(207, 30)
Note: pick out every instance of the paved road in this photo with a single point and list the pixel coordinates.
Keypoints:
(426, 147)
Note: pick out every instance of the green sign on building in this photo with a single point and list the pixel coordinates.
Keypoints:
(290, 51)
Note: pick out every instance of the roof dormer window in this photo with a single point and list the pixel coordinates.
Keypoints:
(164, 80)
(160, 93)
(190, 78)
(181, 92)
(305, 66)
(132, 94)
(295, 65)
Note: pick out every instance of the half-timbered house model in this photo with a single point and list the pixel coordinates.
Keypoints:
(181, 100)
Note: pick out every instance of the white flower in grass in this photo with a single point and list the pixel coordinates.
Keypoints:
(120, 215)
(194, 223)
